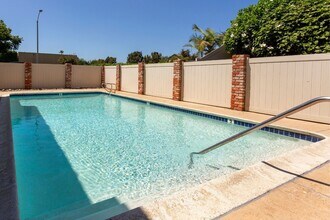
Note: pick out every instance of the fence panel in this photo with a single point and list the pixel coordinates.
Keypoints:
(208, 82)
(278, 83)
(129, 78)
(110, 74)
(159, 80)
(48, 76)
(86, 76)
(12, 76)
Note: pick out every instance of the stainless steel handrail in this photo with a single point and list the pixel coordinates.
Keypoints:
(262, 124)
(111, 90)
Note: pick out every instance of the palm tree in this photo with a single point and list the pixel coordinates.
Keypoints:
(61, 52)
(205, 41)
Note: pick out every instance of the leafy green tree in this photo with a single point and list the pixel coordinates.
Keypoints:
(183, 55)
(147, 59)
(10, 56)
(8, 43)
(81, 61)
(67, 59)
(111, 60)
(156, 57)
(135, 57)
(98, 62)
(61, 52)
(281, 27)
(205, 41)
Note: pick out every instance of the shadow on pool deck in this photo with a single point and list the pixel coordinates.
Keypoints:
(47, 184)
(295, 174)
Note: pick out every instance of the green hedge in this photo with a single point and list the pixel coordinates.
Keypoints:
(281, 27)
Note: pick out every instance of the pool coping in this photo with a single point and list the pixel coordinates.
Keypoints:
(8, 186)
(183, 203)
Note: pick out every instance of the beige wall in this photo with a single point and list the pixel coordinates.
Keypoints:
(129, 78)
(279, 83)
(12, 76)
(208, 82)
(110, 74)
(159, 80)
(48, 76)
(86, 76)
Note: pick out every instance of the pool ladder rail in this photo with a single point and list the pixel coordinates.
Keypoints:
(112, 88)
(261, 125)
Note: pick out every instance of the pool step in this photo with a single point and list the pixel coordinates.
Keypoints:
(101, 210)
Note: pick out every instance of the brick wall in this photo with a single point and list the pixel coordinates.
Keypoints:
(177, 80)
(118, 77)
(238, 88)
(141, 78)
(28, 75)
(68, 75)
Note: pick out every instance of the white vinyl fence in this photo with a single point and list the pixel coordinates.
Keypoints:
(12, 76)
(48, 76)
(208, 82)
(159, 80)
(129, 78)
(86, 76)
(110, 74)
(278, 83)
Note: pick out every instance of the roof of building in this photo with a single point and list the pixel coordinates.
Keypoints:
(42, 57)
(218, 54)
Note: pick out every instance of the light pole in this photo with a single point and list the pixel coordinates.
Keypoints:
(37, 58)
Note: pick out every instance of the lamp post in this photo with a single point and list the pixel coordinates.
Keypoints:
(37, 58)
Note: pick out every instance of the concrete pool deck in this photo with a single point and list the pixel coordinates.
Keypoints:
(227, 196)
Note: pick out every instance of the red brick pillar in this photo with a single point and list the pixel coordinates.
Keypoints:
(102, 76)
(68, 75)
(238, 87)
(177, 80)
(28, 75)
(141, 78)
(118, 77)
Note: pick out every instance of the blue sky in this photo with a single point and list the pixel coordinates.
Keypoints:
(99, 28)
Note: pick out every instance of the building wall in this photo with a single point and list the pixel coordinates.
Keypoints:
(86, 76)
(129, 78)
(48, 76)
(11, 76)
(208, 82)
(279, 83)
(110, 74)
(159, 80)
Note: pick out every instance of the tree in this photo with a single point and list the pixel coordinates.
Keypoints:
(183, 55)
(67, 59)
(281, 27)
(10, 56)
(8, 43)
(61, 52)
(111, 60)
(134, 57)
(156, 57)
(205, 41)
(147, 59)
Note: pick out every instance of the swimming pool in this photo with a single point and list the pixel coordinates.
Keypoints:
(76, 150)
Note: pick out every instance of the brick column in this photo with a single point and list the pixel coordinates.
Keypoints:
(102, 76)
(68, 75)
(118, 77)
(238, 87)
(177, 80)
(141, 78)
(28, 75)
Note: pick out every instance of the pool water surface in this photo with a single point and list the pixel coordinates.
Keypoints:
(81, 149)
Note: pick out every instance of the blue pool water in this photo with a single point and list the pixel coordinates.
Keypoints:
(78, 150)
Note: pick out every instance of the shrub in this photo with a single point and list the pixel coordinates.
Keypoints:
(281, 27)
